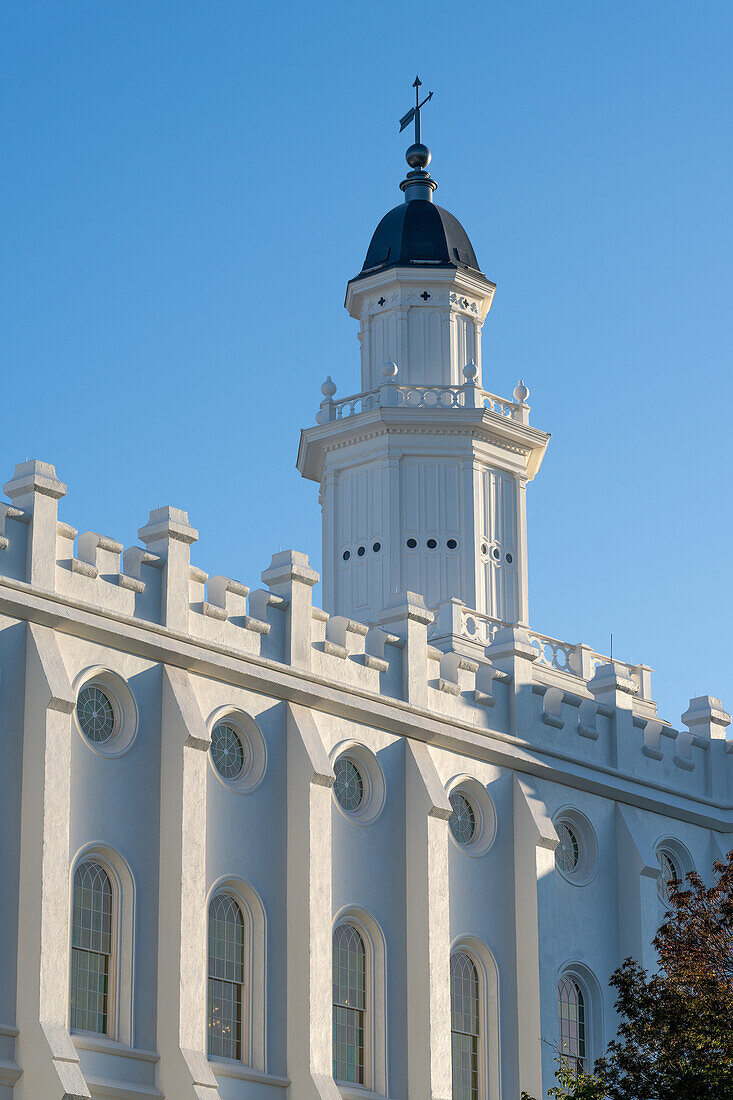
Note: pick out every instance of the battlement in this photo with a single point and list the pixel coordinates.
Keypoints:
(451, 663)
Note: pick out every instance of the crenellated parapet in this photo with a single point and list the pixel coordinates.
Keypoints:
(461, 667)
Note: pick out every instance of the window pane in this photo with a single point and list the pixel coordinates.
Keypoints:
(349, 1004)
(226, 977)
(464, 1026)
(572, 1023)
(465, 1066)
(91, 938)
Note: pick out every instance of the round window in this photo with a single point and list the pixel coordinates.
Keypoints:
(411, 544)
(346, 555)
(576, 855)
(377, 547)
(361, 551)
(451, 544)
(96, 714)
(228, 753)
(432, 543)
(567, 853)
(463, 819)
(349, 785)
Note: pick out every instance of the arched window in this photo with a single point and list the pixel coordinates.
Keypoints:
(226, 977)
(464, 996)
(572, 1024)
(91, 949)
(349, 1004)
(670, 873)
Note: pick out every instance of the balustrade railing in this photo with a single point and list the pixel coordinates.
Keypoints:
(579, 660)
(390, 394)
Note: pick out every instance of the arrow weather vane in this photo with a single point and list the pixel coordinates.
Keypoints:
(414, 112)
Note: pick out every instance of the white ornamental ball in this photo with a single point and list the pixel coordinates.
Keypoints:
(389, 370)
(521, 392)
(470, 372)
(328, 389)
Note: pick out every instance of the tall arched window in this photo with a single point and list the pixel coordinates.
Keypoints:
(572, 1024)
(464, 995)
(91, 949)
(226, 977)
(349, 1004)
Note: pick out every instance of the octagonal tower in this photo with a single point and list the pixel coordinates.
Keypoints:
(422, 473)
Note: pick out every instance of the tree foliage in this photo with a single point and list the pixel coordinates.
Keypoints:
(675, 1035)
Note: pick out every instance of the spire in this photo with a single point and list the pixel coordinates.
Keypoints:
(417, 184)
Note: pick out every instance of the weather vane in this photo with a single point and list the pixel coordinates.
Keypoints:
(414, 112)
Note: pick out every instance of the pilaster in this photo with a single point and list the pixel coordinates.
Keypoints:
(183, 1070)
(612, 686)
(638, 875)
(409, 619)
(309, 910)
(512, 653)
(169, 535)
(36, 490)
(289, 575)
(707, 721)
(535, 841)
(44, 1049)
(427, 810)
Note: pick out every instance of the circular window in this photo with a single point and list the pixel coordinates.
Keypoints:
(463, 819)
(377, 547)
(349, 785)
(359, 789)
(576, 855)
(432, 543)
(228, 752)
(96, 714)
(412, 543)
(496, 553)
(105, 712)
(567, 853)
(484, 548)
(238, 754)
(361, 551)
(451, 544)
(346, 555)
(509, 559)
(472, 822)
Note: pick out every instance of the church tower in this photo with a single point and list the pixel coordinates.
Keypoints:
(423, 473)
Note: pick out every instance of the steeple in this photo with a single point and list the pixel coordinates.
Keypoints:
(422, 473)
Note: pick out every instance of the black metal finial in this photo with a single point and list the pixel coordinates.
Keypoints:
(414, 112)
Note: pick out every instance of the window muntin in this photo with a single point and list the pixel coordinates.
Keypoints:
(91, 948)
(572, 1024)
(95, 714)
(670, 872)
(463, 819)
(349, 1004)
(464, 994)
(349, 784)
(226, 978)
(228, 752)
(567, 853)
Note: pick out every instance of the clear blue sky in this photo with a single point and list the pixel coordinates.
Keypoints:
(187, 188)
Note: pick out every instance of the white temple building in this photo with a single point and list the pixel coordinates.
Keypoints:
(256, 849)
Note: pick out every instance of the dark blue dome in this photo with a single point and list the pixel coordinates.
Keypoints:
(419, 234)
